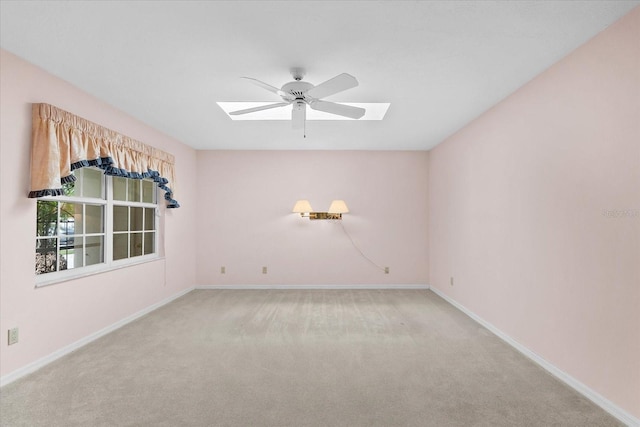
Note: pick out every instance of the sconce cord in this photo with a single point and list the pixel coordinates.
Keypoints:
(358, 249)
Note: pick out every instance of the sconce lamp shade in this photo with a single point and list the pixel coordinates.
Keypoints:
(338, 206)
(302, 206)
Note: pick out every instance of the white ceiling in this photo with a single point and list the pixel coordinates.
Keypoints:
(439, 63)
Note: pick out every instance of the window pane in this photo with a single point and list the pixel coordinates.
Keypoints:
(94, 250)
(120, 246)
(47, 218)
(136, 219)
(46, 255)
(149, 218)
(72, 188)
(120, 218)
(94, 219)
(149, 243)
(67, 224)
(148, 191)
(92, 180)
(119, 188)
(134, 190)
(78, 221)
(71, 254)
(136, 244)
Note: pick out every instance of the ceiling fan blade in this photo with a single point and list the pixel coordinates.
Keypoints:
(337, 84)
(268, 87)
(254, 109)
(339, 109)
(299, 115)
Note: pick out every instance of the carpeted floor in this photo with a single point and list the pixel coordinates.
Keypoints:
(298, 358)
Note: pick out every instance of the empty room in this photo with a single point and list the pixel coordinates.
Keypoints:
(319, 213)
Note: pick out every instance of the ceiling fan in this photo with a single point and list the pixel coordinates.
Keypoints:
(299, 94)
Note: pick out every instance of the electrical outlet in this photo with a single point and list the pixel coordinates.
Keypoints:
(264, 270)
(386, 270)
(13, 336)
(223, 269)
(451, 281)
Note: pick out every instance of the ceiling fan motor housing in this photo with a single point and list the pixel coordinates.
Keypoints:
(297, 89)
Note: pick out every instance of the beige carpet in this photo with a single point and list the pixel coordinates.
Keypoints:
(298, 358)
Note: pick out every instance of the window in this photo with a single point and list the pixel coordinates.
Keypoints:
(134, 218)
(101, 222)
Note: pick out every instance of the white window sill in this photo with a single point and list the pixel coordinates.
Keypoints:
(49, 279)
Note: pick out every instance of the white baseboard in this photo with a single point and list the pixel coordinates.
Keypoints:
(344, 287)
(34, 366)
(596, 398)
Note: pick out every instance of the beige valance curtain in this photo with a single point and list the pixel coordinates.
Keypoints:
(63, 142)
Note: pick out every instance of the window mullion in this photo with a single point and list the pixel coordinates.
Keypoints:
(67, 199)
(80, 182)
(58, 255)
(84, 240)
(130, 232)
(144, 225)
(108, 226)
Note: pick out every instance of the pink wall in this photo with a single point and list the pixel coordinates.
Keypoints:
(53, 317)
(517, 201)
(246, 221)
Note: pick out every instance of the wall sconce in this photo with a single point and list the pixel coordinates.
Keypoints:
(337, 208)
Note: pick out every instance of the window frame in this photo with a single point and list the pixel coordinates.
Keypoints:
(108, 264)
(111, 202)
